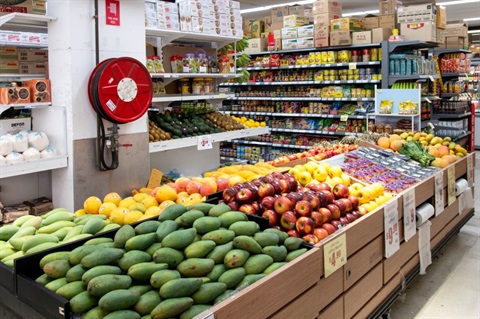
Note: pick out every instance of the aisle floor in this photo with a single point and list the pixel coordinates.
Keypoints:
(451, 286)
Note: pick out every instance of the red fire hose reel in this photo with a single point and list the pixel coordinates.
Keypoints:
(120, 90)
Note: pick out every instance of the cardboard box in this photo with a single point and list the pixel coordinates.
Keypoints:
(305, 43)
(277, 34)
(27, 6)
(387, 21)
(324, 19)
(294, 21)
(289, 33)
(268, 24)
(289, 44)
(151, 23)
(39, 206)
(403, 17)
(370, 23)
(306, 31)
(422, 31)
(322, 42)
(441, 17)
(167, 7)
(9, 66)
(321, 31)
(346, 24)
(257, 45)
(340, 38)
(9, 214)
(298, 10)
(454, 43)
(192, 8)
(457, 30)
(32, 68)
(423, 8)
(13, 126)
(441, 35)
(388, 6)
(362, 37)
(9, 37)
(380, 34)
(278, 14)
(7, 52)
(32, 55)
(254, 28)
(327, 6)
(233, 4)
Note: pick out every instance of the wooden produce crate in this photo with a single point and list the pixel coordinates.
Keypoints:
(334, 310)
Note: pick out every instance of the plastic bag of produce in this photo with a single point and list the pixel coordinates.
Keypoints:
(31, 154)
(6, 146)
(14, 157)
(19, 143)
(39, 140)
(48, 152)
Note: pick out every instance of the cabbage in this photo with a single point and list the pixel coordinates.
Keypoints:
(6, 146)
(39, 140)
(31, 154)
(14, 157)
(20, 143)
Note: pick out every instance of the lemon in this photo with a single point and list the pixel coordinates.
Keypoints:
(112, 198)
(133, 216)
(92, 204)
(106, 208)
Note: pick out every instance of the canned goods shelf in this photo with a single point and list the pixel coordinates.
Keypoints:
(169, 36)
(451, 116)
(191, 97)
(303, 83)
(312, 66)
(339, 48)
(299, 99)
(313, 132)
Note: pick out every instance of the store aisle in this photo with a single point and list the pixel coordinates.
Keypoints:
(451, 287)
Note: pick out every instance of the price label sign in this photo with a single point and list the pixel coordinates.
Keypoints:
(344, 117)
(439, 194)
(451, 185)
(391, 232)
(335, 254)
(409, 215)
(204, 142)
(352, 66)
(155, 179)
(428, 100)
(431, 78)
(470, 172)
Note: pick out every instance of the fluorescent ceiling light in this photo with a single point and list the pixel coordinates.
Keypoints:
(360, 13)
(473, 31)
(452, 3)
(258, 9)
(471, 19)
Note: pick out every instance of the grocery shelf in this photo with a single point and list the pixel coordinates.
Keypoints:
(446, 51)
(169, 77)
(25, 21)
(336, 48)
(392, 46)
(21, 75)
(286, 130)
(395, 78)
(217, 137)
(4, 107)
(451, 115)
(191, 97)
(28, 167)
(458, 137)
(311, 66)
(252, 142)
(453, 74)
(303, 147)
(355, 117)
(306, 99)
(302, 83)
(393, 115)
(24, 45)
(169, 36)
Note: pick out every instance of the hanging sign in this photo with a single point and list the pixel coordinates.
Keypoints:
(112, 11)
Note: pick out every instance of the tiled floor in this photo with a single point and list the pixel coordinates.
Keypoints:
(451, 286)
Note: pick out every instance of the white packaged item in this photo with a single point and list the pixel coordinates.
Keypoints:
(151, 23)
(9, 37)
(167, 7)
(25, 133)
(14, 157)
(39, 140)
(31, 154)
(6, 146)
(193, 8)
(19, 143)
(48, 152)
(150, 14)
(3, 161)
(234, 4)
(150, 6)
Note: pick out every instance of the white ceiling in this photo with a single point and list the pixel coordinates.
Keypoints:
(454, 12)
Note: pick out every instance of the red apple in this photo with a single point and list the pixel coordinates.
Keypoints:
(267, 202)
(326, 214)
(317, 218)
(247, 209)
(229, 194)
(325, 187)
(303, 208)
(344, 221)
(292, 181)
(245, 195)
(302, 189)
(265, 190)
(334, 210)
(282, 205)
(329, 197)
(313, 199)
(357, 214)
(350, 217)
(278, 175)
(340, 191)
(354, 201)
(288, 220)
(257, 207)
(268, 178)
(341, 206)
(257, 182)
(315, 187)
(277, 227)
(329, 228)
(233, 205)
(292, 157)
(273, 217)
(293, 233)
(305, 225)
(362, 210)
(310, 238)
(238, 186)
(276, 184)
(348, 204)
(284, 186)
(320, 233)
(336, 223)
(222, 183)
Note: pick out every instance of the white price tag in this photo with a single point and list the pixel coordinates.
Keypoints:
(428, 100)
(204, 142)
(439, 199)
(470, 171)
(343, 117)
(409, 214)
(451, 185)
(227, 113)
(352, 66)
(392, 238)
(335, 254)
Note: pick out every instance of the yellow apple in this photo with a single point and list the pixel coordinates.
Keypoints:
(346, 179)
(320, 174)
(335, 171)
(304, 178)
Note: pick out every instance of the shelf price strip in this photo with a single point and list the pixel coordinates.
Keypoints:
(409, 214)
(439, 193)
(451, 185)
(470, 173)
(335, 254)
(391, 232)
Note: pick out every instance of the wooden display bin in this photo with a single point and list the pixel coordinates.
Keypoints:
(334, 310)
(392, 265)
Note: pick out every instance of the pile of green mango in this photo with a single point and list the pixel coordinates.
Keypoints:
(31, 234)
(175, 267)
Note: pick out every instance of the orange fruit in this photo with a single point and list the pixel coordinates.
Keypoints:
(383, 142)
(164, 193)
(106, 208)
(112, 198)
(92, 204)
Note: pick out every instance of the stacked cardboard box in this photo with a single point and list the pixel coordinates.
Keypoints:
(456, 35)
(418, 22)
(387, 13)
(161, 15)
(26, 6)
(27, 61)
(323, 12)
